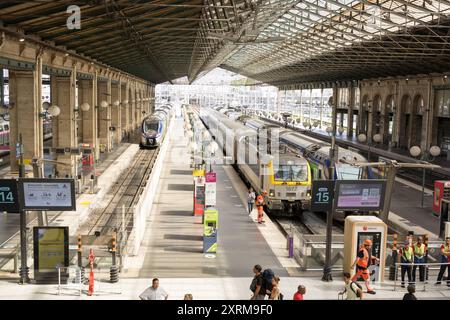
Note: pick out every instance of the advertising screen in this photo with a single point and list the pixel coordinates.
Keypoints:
(360, 194)
(51, 249)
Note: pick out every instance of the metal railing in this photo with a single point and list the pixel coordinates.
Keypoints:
(73, 283)
(428, 266)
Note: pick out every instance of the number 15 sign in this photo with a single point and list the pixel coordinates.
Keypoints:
(322, 195)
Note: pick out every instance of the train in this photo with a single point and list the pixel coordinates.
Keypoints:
(154, 127)
(4, 134)
(285, 176)
(316, 152)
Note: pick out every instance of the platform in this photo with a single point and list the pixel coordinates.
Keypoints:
(172, 245)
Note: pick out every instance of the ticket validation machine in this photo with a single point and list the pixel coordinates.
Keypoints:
(210, 226)
(356, 230)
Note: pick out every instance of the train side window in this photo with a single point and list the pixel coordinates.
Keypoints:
(6, 127)
(1, 128)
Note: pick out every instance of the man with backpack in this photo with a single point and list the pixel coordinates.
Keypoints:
(257, 284)
(352, 289)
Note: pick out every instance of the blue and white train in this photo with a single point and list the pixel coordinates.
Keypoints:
(154, 127)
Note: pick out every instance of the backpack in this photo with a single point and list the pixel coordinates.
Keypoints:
(267, 279)
(253, 285)
(356, 292)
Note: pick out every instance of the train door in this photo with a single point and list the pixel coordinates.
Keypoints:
(376, 238)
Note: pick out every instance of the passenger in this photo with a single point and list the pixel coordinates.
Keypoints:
(352, 289)
(250, 200)
(266, 201)
(188, 296)
(406, 258)
(363, 262)
(256, 284)
(275, 293)
(445, 258)
(155, 292)
(301, 290)
(420, 251)
(260, 207)
(410, 295)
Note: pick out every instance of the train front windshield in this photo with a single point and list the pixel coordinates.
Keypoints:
(291, 173)
(150, 125)
(348, 172)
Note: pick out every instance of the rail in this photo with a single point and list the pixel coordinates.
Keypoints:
(428, 266)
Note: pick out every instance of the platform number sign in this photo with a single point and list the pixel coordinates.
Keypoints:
(9, 200)
(322, 195)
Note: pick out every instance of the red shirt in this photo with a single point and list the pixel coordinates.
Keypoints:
(298, 296)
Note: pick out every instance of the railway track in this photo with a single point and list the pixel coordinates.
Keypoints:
(309, 223)
(107, 217)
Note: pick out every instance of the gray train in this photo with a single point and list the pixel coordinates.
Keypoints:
(285, 176)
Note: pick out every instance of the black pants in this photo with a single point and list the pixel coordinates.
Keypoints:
(441, 273)
(406, 269)
(421, 273)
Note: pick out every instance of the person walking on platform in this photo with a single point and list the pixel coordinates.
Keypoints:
(256, 285)
(260, 208)
(420, 251)
(363, 262)
(266, 201)
(406, 258)
(155, 292)
(445, 258)
(250, 200)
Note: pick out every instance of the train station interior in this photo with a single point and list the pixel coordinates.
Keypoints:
(192, 140)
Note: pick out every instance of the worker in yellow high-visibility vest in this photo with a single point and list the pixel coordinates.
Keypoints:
(406, 258)
(420, 251)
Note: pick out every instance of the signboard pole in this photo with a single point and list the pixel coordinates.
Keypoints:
(24, 270)
(327, 268)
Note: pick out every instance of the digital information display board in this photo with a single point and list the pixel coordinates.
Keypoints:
(47, 194)
(363, 195)
(51, 250)
(9, 199)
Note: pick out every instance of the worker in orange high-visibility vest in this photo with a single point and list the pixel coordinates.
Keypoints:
(260, 208)
(362, 262)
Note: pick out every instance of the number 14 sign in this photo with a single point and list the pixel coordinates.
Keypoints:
(322, 195)
(9, 200)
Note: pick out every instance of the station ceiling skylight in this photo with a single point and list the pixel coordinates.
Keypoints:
(274, 41)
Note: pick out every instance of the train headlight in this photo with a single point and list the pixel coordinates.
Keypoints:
(271, 193)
